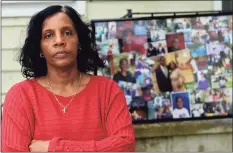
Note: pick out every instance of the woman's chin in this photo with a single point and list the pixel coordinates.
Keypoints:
(64, 64)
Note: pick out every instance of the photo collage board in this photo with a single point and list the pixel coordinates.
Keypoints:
(173, 68)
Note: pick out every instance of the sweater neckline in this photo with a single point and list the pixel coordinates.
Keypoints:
(65, 97)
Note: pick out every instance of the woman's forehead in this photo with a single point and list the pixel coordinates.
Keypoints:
(60, 19)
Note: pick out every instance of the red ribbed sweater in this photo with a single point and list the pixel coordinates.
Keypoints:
(97, 120)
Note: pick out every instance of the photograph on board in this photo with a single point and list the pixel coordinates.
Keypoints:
(181, 105)
(160, 107)
(175, 42)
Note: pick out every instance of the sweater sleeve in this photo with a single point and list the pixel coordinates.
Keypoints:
(16, 133)
(119, 129)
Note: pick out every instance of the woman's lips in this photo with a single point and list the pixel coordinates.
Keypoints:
(61, 54)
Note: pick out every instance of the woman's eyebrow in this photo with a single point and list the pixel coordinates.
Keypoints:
(67, 27)
(47, 30)
(62, 28)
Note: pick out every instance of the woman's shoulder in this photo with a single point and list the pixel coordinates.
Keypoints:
(14, 94)
(19, 86)
(106, 89)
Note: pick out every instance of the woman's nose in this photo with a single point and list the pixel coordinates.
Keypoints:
(59, 41)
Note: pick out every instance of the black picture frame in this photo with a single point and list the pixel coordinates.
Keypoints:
(163, 17)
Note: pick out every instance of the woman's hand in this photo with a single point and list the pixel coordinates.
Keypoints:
(39, 146)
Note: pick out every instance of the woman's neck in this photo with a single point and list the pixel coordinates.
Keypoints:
(63, 77)
(124, 73)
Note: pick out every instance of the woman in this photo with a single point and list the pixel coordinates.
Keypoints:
(187, 65)
(177, 78)
(124, 74)
(129, 43)
(62, 108)
(172, 66)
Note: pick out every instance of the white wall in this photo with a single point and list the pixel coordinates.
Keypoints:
(12, 37)
(117, 9)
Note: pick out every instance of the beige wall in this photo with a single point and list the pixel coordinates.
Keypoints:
(117, 9)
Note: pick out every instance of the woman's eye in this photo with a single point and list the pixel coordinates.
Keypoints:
(68, 33)
(49, 35)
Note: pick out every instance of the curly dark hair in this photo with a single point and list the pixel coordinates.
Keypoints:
(29, 58)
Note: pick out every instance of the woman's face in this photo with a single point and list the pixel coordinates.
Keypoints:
(176, 43)
(129, 38)
(173, 65)
(59, 42)
(124, 66)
